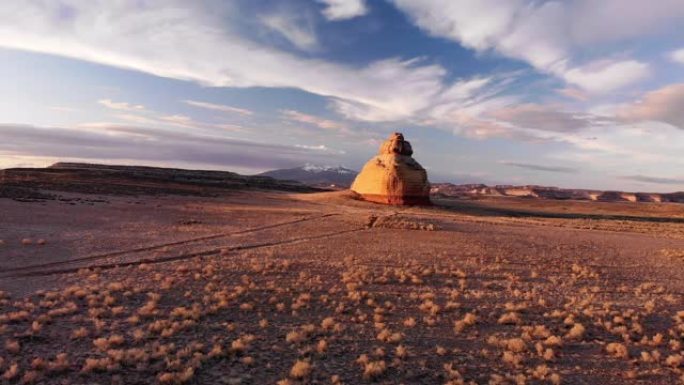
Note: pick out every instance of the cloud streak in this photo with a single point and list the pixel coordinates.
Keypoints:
(122, 106)
(537, 167)
(325, 124)
(219, 107)
(296, 28)
(336, 10)
(115, 142)
(654, 180)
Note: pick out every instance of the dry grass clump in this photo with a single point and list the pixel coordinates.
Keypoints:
(301, 334)
(328, 323)
(401, 351)
(409, 322)
(177, 377)
(105, 343)
(241, 344)
(301, 369)
(553, 341)
(59, 364)
(11, 372)
(454, 376)
(29, 377)
(12, 346)
(403, 223)
(576, 332)
(183, 312)
(516, 345)
(322, 346)
(99, 365)
(15, 316)
(543, 372)
(429, 307)
(674, 360)
(374, 369)
(386, 335)
(79, 333)
(617, 349)
(650, 357)
(469, 319)
(511, 318)
(512, 358)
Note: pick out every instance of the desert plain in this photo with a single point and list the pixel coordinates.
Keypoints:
(253, 286)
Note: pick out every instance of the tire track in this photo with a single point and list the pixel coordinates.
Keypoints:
(159, 246)
(185, 256)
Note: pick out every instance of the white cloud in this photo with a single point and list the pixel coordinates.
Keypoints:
(160, 120)
(181, 120)
(219, 107)
(606, 76)
(313, 120)
(295, 28)
(123, 106)
(542, 118)
(678, 56)
(137, 119)
(63, 109)
(619, 20)
(182, 40)
(321, 148)
(344, 9)
(548, 35)
(663, 105)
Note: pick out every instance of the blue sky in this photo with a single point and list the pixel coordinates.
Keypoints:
(574, 93)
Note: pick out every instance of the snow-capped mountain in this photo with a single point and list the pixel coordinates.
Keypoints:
(316, 175)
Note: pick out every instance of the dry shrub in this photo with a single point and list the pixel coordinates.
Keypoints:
(300, 369)
(403, 223)
(617, 349)
(374, 369)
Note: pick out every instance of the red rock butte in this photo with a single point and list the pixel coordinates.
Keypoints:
(393, 176)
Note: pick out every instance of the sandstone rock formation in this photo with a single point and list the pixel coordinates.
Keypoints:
(393, 176)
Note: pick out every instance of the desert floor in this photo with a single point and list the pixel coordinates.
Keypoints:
(266, 288)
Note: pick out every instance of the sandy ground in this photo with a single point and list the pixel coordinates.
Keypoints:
(265, 288)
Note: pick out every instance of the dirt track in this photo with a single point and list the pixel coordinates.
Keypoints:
(238, 289)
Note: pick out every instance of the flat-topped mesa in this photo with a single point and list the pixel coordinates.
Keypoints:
(393, 176)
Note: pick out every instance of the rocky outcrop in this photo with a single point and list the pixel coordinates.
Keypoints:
(393, 176)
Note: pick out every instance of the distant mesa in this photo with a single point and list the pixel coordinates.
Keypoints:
(448, 190)
(135, 180)
(393, 176)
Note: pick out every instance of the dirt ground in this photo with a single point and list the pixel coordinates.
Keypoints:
(267, 287)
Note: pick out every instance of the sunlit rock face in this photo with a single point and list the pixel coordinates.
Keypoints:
(393, 176)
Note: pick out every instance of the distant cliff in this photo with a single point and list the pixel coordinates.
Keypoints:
(544, 192)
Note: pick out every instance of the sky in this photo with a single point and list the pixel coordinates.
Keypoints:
(572, 93)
